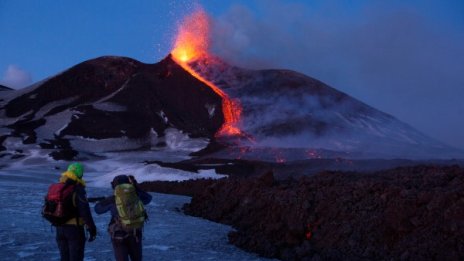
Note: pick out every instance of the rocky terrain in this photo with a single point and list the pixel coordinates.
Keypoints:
(4, 88)
(407, 213)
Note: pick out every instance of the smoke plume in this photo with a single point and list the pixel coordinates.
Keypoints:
(395, 57)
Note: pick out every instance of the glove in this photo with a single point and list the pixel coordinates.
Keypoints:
(132, 180)
(92, 233)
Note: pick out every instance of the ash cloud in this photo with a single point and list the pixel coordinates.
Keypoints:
(392, 56)
(15, 77)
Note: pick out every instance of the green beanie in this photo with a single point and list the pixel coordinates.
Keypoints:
(77, 169)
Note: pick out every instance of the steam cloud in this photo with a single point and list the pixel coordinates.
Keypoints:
(15, 77)
(394, 58)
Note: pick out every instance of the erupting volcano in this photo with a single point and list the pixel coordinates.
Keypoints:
(191, 45)
(123, 104)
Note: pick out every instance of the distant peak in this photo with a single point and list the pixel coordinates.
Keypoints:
(5, 88)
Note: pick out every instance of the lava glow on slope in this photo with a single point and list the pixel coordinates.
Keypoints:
(191, 44)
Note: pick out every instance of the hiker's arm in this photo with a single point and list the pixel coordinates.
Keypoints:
(144, 196)
(83, 207)
(95, 199)
(104, 205)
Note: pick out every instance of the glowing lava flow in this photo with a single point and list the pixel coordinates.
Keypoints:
(191, 44)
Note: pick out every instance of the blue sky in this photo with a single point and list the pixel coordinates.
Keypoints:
(403, 57)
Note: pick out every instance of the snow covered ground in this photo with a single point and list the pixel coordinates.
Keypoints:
(169, 234)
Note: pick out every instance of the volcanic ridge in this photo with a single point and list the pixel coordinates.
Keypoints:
(284, 115)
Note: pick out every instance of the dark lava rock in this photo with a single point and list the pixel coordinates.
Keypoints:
(186, 188)
(408, 213)
(5, 88)
(2, 139)
(88, 81)
(232, 167)
(113, 97)
(63, 149)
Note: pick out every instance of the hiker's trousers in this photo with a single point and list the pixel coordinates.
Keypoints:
(71, 242)
(131, 246)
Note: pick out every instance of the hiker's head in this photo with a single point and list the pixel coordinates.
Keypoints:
(74, 172)
(120, 179)
(77, 169)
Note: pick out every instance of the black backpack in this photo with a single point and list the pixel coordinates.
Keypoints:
(58, 207)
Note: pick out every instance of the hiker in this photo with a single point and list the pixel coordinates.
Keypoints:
(70, 234)
(127, 217)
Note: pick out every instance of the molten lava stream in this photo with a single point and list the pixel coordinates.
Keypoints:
(230, 108)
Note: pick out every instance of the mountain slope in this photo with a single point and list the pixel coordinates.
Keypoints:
(117, 103)
(4, 88)
(286, 109)
(112, 97)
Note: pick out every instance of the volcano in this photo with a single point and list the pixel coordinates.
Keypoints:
(117, 103)
(287, 109)
(111, 99)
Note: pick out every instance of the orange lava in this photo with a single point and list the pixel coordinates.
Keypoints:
(192, 39)
(191, 44)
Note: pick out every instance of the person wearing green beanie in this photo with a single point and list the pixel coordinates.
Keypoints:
(77, 169)
(70, 236)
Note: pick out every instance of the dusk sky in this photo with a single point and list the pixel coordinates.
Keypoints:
(405, 58)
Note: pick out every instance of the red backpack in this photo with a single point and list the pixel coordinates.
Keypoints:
(58, 207)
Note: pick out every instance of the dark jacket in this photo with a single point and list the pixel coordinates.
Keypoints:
(83, 214)
(109, 204)
(70, 237)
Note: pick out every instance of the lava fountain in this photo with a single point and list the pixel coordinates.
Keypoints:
(191, 44)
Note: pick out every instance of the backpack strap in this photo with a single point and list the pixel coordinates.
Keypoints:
(75, 207)
(73, 200)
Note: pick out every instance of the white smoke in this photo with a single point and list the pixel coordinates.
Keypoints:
(392, 56)
(15, 77)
